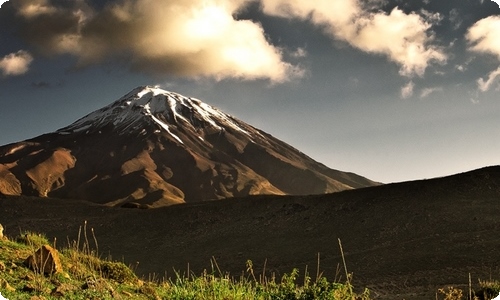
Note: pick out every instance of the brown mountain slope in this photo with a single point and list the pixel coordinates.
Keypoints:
(154, 148)
(401, 240)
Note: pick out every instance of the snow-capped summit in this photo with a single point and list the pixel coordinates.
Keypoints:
(153, 148)
(167, 110)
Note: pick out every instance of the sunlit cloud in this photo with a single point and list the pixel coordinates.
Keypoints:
(492, 78)
(34, 8)
(484, 37)
(407, 90)
(15, 64)
(188, 38)
(407, 39)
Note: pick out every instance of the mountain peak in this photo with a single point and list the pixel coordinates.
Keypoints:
(166, 111)
(145, 89)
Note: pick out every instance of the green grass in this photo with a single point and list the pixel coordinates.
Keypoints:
(87, 276)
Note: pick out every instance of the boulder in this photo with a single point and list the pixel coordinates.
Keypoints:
(45, 260)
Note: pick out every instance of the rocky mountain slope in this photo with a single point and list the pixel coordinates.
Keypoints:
(153, 148)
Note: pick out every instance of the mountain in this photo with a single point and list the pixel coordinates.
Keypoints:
(153, 148)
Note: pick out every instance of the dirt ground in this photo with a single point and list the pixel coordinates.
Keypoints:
(402, 241)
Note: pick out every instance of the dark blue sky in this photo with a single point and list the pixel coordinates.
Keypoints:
(391, 90)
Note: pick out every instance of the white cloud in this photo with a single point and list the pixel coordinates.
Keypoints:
(2, 2)
(493, 77)
(299, 53)
(484, 37)
(463, 67)
(406, 37)
(455, 19)
(407, 90)
(189, 38)
(15, 63)
(427, 91)
(431, 17)
(34, 8)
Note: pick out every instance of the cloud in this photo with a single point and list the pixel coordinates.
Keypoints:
(188, 38)
(202, 38)
(407, 90)
(427, 91)
(455, 19)
(299, 53)
(405, 39)
(484, 37)
(15, 63)
(34, 8)
(485, 85)
(52, 29)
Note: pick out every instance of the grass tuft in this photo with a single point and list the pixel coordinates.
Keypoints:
(34, 240)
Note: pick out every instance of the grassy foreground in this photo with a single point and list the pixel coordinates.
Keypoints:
(86, 276)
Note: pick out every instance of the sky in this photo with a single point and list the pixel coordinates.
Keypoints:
(389, 89)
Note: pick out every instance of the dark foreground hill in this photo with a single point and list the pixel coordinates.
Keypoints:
(401, 240)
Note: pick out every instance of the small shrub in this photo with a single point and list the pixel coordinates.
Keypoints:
(488, 289)
(117, 271)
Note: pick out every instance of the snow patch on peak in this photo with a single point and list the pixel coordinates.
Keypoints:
(162, 124)
(154, 90)
(168, 110)
(177, 102)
